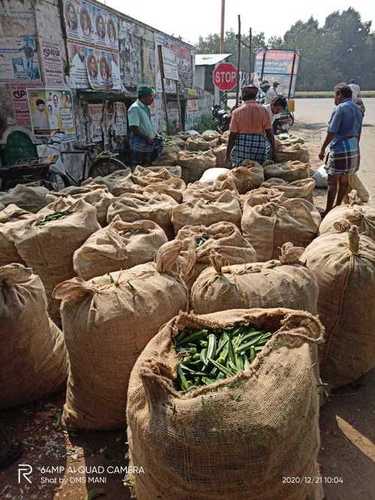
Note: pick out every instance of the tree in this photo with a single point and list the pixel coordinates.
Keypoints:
(342, 49)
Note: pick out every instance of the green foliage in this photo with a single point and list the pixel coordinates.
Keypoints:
(206, 122)
(342, 49)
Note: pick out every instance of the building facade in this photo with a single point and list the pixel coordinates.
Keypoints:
(75, 65)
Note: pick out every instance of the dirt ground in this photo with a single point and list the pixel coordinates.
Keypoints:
(347, 456)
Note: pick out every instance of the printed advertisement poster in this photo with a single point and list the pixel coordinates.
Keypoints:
(16, 19)
(95, 68)
(52, 64)
(51, 110)
(130, 54)
(20, 104)
(95, 113)
(278, 66)
(170, 64)
(120, 124)
(19, 59)
(90, 23)
(103, 69)
(170, 85)
(148, 62)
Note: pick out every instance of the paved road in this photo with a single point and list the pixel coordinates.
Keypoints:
(312, 115)
(348, 418)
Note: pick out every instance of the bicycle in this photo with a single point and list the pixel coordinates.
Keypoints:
(94, 164)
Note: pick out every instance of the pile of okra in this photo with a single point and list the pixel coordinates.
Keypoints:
(206, 356)
(53, 216)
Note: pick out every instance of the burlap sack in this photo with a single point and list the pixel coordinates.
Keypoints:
(303, 188)
(169, 154)
(269, 226)
(48, 249)
(111, 181)
(197, 144)
(133, 207)
(209, 191)
(33, 361)
(220, 153)
(121, 245)
(235, 439)
(262, 195)
(174, 170)
(290, 171)
(276, 283)
(225, 137)
(210, 135)
(247, 176)
(96, 195)
(344, 265)
(292, 152)
(223, 208)
(223, 237)
(159, 181)
(356, 184)
(194, 164)
(11, 217)
(362, 216)
(107, 322)
(29, 198)
(289, 139)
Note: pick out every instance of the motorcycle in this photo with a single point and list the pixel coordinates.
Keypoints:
(283, 122)
(221, 117)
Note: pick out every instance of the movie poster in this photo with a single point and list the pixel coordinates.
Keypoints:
(91, 24)
(19, 59)
(51, 110)
(93, 68)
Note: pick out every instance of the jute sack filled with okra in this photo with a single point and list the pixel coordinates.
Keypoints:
(11, 217)
(223, 208)
(269, 226)
(277, 283)
(289, 171)
(249, 175)
(107, 322)
(302, 188)
(33, 361)
(159, 181)
(132, 207)
(344, 266)
(48, 242)
(96, 195)
(223, 237)
(353, 213)
(238, 436)
(120, 245)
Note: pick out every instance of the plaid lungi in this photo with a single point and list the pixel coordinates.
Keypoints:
(344, 159)
(254, 147)
(143, 153)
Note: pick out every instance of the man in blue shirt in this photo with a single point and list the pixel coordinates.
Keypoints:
(343, 135)
(145, 145)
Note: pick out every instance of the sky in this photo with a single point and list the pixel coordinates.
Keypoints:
(192, 18)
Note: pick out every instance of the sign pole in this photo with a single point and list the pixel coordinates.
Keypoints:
(161, 66)
(179, 105)
(238, 60)
(222, 26)
(292, 75)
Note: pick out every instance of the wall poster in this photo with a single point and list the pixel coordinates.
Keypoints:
(51, 110)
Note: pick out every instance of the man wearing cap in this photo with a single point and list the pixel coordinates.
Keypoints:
(145, 145)
(251, 136)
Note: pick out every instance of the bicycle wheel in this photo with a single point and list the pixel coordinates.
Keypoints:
(105, 166)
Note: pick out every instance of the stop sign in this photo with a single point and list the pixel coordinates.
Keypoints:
(224, 76)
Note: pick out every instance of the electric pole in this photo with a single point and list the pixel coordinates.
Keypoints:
(222, 27)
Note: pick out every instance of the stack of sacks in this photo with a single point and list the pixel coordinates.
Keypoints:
(289, 171)
(208, 209)
(11, 217)
(133, 207)
(277, 283)
(269, 226)
(33, 361)
(120, 245)
(107, 322)
(29, 198)
(222, 237)
(47, 242)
